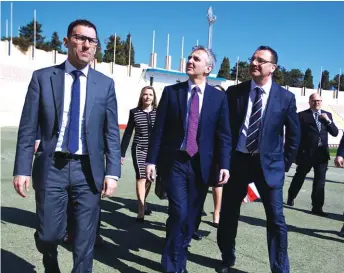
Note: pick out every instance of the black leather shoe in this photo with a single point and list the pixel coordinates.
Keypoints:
(99, 241)
(197, 236)
(140, 220)
(225, 267)
(148, 212)
(341, 233)
(319, 212)
(290, 202)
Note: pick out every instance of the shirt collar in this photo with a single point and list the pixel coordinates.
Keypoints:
(266, 87)
(316, 111)
(69, 68)
(201, 86)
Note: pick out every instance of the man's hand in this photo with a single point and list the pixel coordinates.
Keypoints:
(223, 177)
(122, 160)
(37, 142)
(109, 187)
(339, 162)
(324, 116)
(151, 172)
(19, 181)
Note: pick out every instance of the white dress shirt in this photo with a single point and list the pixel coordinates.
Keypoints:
(63, 136)
(265, 95)
(201, 89)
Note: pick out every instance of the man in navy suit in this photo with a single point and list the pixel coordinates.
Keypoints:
(76, 109)
(191, 116)
(260, 111)
(339, 163)
(315, 124)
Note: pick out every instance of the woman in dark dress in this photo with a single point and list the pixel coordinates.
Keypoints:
(142, 119)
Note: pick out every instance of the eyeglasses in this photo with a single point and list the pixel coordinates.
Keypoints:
(82, 39)
(260, 61)
(314, 101)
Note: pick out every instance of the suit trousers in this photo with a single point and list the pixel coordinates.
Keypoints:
(185, 192)
(246, 168)
(67, 179)
(319, 162)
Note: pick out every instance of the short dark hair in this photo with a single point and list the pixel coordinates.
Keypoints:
(272, 51)
(219, 87)
(80, 22)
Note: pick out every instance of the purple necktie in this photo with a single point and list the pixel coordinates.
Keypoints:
(191, 142)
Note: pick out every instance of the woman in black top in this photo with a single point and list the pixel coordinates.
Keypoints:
(141, 119)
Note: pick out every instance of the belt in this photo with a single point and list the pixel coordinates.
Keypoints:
(248, 154)
(69, 156)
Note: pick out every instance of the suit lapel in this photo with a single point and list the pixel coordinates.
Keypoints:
(311, 119)
(273, 101)
(57, 83)
(206, 106)
(182, 95)
(242, 101)
(90, 93)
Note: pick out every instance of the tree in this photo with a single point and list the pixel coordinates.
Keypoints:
(121, 53)
(99, 55)
(334, 82)
(308, 79)
(243, 71)
(27, 32)
(132, 51)
(294, 78)
(55, 42)
(278, 75)
(224, 71)
(325, 80)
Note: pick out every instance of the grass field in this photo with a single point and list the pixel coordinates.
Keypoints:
(314, 244)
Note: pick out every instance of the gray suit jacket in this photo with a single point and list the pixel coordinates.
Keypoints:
(44, 105)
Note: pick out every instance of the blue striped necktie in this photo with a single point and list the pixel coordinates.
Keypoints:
(318, 123)
(255, 121)
(74, 114)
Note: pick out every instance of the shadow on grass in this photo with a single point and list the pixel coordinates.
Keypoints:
(311, 179)
(306, 231)
(11, 263)
(333, 216)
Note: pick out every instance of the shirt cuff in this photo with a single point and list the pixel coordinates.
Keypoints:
(112, 176)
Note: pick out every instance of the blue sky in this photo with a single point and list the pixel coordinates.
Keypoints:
(305, 34)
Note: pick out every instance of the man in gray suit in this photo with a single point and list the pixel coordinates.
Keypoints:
(76, 109)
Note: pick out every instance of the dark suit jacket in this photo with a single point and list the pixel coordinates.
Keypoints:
(310, 134)
(275, 157)
(44, 106)
(170, 129)
(340, 151)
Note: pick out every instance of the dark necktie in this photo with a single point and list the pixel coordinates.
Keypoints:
(255, 121)
(74, 114)
(318, 123)
(191, 139)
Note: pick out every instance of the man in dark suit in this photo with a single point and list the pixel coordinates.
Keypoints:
(315, 124)
(191, 116)
(339, 163)
(76, 109)
(260, 111)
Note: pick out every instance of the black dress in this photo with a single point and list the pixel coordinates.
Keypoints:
(143, 123)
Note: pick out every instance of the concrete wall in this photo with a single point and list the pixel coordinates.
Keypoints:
(16, 71)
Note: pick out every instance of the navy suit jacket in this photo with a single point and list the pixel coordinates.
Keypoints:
(310, 134)
(43, 107)
(340, 151)
(276, 157)
(170, 129)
